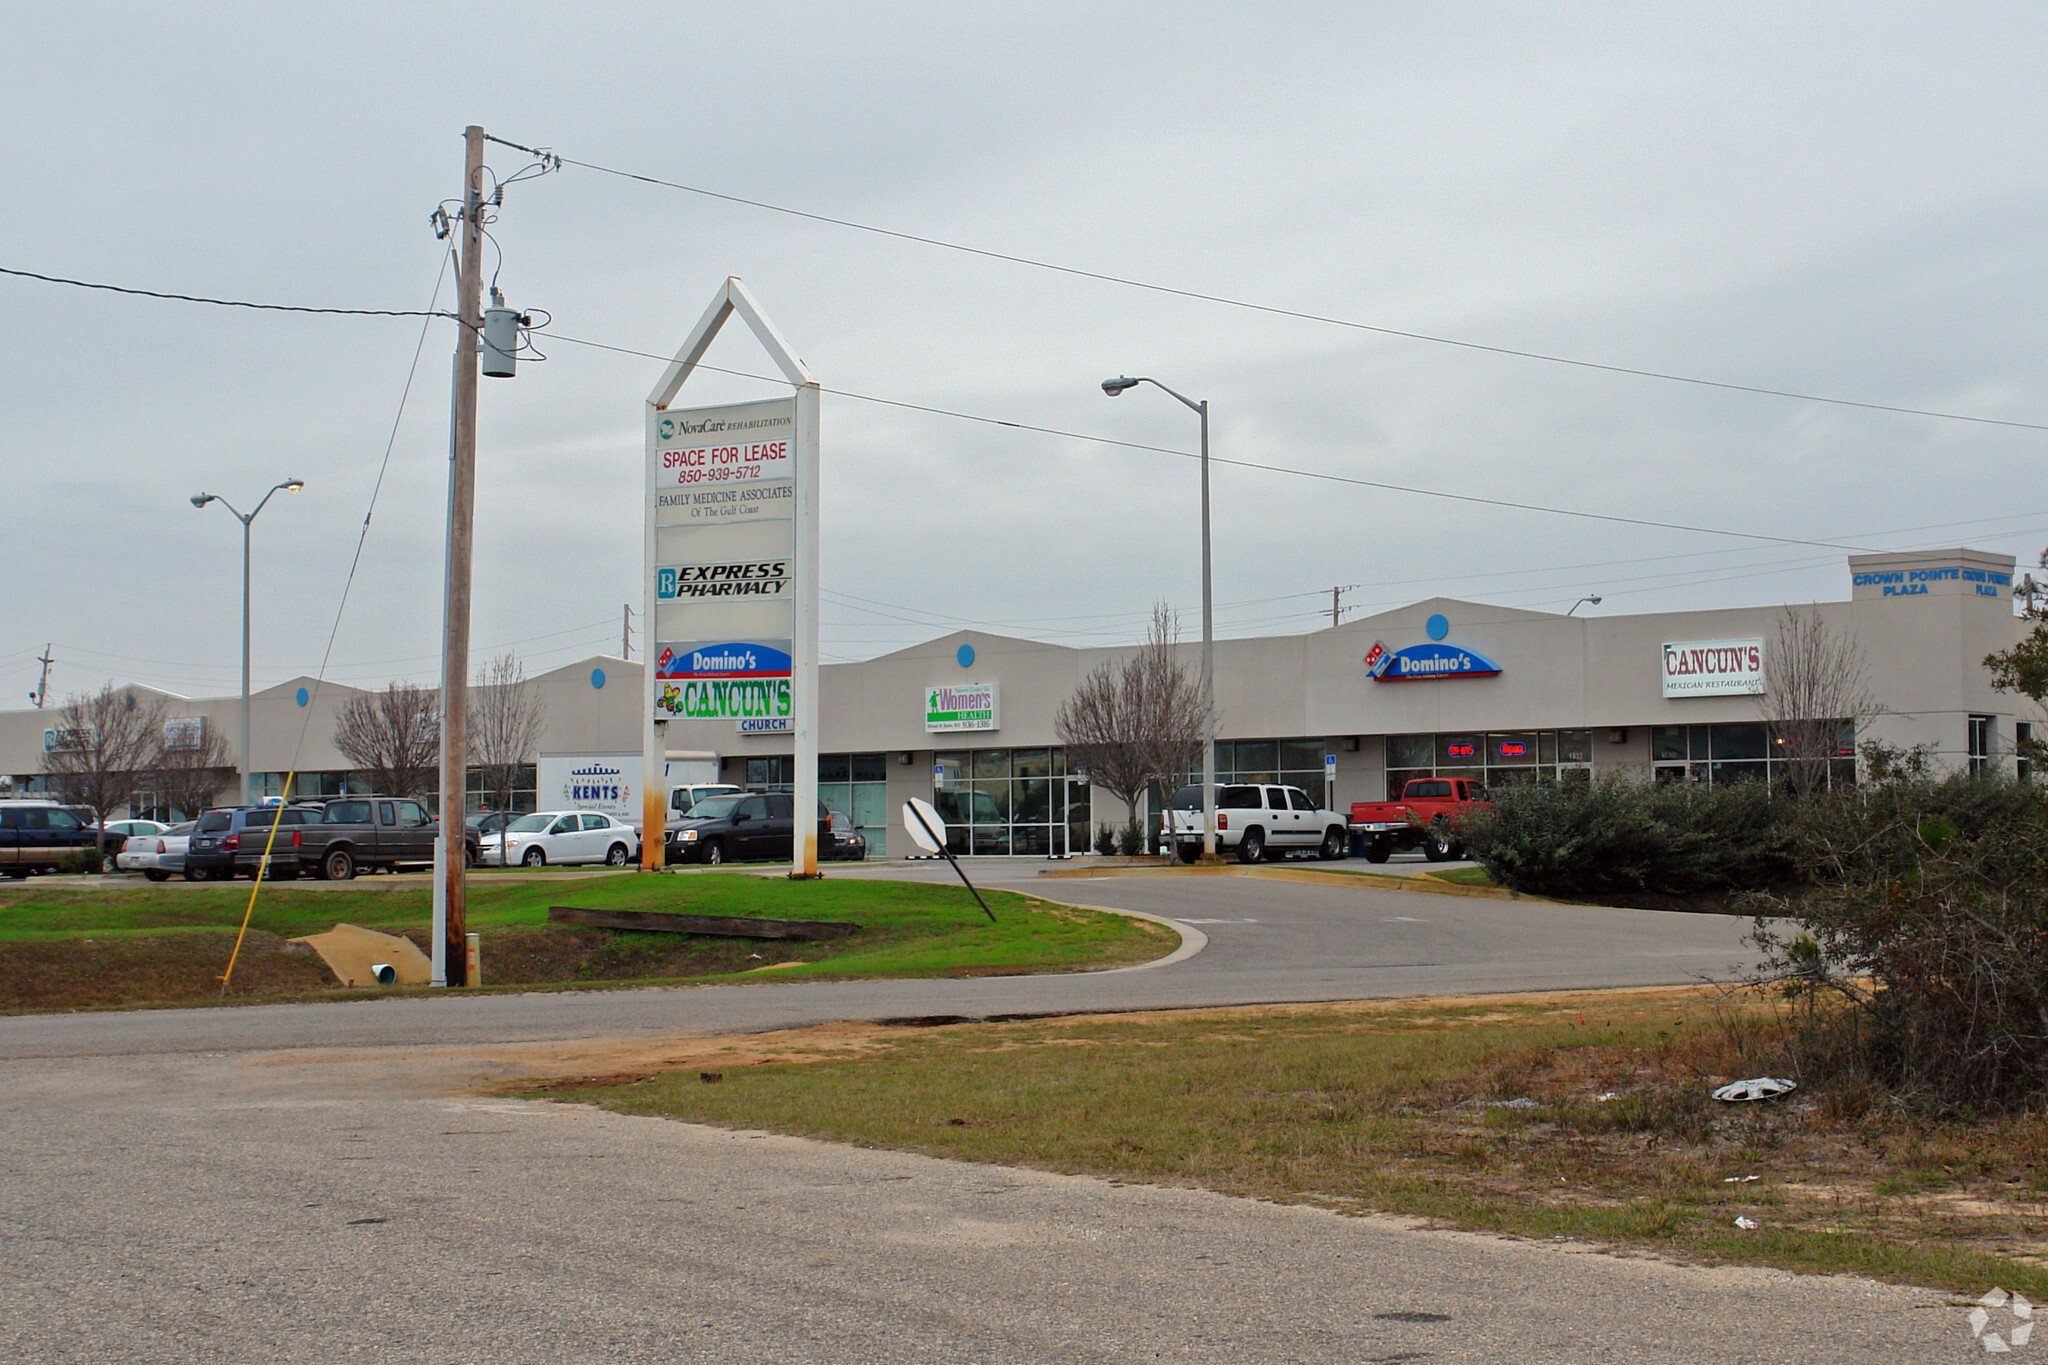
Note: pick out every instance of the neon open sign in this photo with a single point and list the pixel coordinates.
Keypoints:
(1513, 748)
(1461, 749)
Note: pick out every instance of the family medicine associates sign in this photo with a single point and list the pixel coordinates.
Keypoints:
(722, 601)
(1714, 668)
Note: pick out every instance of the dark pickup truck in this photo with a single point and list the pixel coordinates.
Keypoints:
(360, 832)
(35, 834)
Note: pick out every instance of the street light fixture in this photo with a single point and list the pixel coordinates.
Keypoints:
(1595, 600)
(200, 500)
(1113, 387)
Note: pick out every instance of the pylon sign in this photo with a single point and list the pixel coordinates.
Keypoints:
(723, 597)
(731, 572)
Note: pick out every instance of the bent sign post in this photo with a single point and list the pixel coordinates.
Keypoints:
(731, 567)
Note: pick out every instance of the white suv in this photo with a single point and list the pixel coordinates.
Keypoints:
(1255, 819)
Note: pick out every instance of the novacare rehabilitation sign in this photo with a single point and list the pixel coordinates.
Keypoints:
(1714, 668)
(969, 706)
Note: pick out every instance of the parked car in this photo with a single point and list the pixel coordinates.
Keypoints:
(847, 844)
(1428, 814)
(683, 799)
(371, 833)
(742, 827)
(35, 834)
(115, 835)
(156, 856)
(490, 822)
(1254, 819)
(564, 836)
(234, 840)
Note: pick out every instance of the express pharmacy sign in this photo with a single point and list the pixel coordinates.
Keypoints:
(1714, 668)
(752, 578)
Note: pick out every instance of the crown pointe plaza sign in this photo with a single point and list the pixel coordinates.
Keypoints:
(731, 584)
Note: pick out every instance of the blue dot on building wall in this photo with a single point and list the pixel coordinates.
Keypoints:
(965, 654)
(304, 696)
(1438, 626)
(597, 678)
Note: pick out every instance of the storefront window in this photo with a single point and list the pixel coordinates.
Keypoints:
(1725, 754)
(1010, 801)
(1493, 759)
(858, 784)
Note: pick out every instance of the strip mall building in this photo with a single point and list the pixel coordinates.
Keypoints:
(1348, 713)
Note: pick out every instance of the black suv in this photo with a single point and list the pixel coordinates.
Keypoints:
(740, 827)
(231, 840)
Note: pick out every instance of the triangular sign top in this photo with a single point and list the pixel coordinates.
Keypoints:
(732, 298)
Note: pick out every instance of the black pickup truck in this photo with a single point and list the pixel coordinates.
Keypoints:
(35, 834)
(367, 832)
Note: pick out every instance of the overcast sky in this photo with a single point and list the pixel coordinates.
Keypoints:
(1842, 200)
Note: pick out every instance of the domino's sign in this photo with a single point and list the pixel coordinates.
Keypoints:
(1428, 662)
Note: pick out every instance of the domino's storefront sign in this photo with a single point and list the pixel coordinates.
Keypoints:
(1419, 663)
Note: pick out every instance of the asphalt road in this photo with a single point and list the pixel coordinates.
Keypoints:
(1265, 941)
(322, 1183)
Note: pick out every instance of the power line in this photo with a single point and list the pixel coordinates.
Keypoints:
(227, 303)
(1274, 310)
(1263, 468)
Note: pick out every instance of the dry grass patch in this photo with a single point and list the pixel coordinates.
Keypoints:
(1574, 1116)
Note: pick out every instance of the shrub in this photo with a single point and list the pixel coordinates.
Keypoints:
(1619, 836)
(79, 860)
(1929, 922)
(1130, 840)
(1105, 839)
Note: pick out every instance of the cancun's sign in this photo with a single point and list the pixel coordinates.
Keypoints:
(1714, 668)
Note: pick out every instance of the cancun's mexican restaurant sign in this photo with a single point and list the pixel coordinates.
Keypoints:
(1714, 668)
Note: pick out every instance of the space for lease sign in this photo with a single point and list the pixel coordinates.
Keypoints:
(1714, 668)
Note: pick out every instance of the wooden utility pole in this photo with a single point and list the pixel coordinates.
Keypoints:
(450, 886)
(1336, 602)
(41, 688)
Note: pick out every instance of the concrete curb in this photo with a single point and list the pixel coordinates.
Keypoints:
(1424, 883)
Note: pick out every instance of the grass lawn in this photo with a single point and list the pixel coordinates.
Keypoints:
(62, 949)
(1583, 1117)
(1463, 876)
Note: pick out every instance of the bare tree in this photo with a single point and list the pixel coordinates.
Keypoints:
(1816, 688)
(101, 747)
(1137, 720)
(191, 763)
(506, 716)
(394, 737)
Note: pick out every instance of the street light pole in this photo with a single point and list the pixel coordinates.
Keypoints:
(1113, 387)
(200, 500)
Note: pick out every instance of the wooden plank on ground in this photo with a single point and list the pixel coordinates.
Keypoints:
(722, 926)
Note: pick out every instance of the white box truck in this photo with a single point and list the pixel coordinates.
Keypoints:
(611, 783)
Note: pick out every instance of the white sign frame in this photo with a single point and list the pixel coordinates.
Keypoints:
(733, 298)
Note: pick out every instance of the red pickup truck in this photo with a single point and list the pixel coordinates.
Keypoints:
(1427, 814)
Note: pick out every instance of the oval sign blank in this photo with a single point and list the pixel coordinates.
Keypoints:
(931, 834)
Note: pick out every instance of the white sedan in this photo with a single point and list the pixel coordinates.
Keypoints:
(562, 836)
(155, 856)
